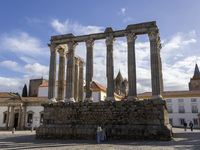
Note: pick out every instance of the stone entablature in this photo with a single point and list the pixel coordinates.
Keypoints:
(147, 119)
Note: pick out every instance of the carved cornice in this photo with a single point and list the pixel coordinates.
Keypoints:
(110, 40)
(153, 35)
(89, 43)
(76, 61)
(72, 45)
(131, 37)
(81, 64)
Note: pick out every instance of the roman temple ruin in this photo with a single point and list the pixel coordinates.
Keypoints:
(70, 116)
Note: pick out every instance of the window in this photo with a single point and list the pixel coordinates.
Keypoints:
(168, 100)
(180, 100)
(171, 121)
(30, 118)
(194, 109)
(5, 118)
(169, 109)
(193, 100)
(181, 109)
(195, 121)
(182, 120)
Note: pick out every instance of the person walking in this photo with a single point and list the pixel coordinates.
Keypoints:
(191, 125)
(185, 125)
(99, 130)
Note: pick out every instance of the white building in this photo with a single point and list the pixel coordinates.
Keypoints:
(24, 112)
(182, 106)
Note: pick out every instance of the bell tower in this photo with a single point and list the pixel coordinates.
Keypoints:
(194, 83)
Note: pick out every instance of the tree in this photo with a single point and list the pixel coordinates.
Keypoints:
(24, 92)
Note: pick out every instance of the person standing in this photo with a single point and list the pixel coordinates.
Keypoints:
(191, 125)
(185, 125)
(106, 131)
(103, 135)
(99, 130)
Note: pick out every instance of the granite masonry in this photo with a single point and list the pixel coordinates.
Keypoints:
(78, 119)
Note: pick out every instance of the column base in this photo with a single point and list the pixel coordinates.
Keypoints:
(110, 99)
(52, 100)
(89, 100)
(157, 97)
(61, 101)
(132, 98)
(71, 99)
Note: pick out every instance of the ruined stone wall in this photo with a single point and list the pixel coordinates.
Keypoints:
(146, 119)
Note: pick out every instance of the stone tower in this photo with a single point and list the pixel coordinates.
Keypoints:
(33, 86)
(121, 85)
(194, 83)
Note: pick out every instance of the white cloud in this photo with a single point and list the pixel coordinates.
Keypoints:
(73, 27)
(8, 63)
(21, 43)
(12, 84)
(129, 19)
(123, 10)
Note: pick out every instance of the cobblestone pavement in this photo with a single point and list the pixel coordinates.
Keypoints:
(26, 140)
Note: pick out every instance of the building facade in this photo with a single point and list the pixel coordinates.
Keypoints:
(183, 105)
(20, 112)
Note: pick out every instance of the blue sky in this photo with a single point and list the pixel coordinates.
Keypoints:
(27, 26)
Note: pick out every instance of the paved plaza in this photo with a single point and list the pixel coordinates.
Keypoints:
(26, 140)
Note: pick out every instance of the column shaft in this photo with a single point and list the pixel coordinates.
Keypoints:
(19, 119)
(7, 119)
(156, 72)
(70, 72)
(23, 118)
(89, 70)
(110, 69)
(132, 93)
(11, 124)
(81, 69)
(61, 75)
(52, 75)
(76, 80)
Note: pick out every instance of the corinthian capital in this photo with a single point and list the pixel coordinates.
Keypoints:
(110, 40)
(62, 52)
(52, 48)
(89, 43)
(72, 45)
(153, 35)
(131, 37)
(81, 64)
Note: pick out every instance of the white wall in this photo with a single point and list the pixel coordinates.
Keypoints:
(36, 115)
(2, 110)
(188, 115)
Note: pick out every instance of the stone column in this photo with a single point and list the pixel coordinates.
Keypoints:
(19, 119)
(81, 69)
(76, 80)
(11, 124)
(70, 72)
(110, 69)
(7, 119)
(52, 74)
(89, 70)
(156, 72)
(132, 92)
(61, 75)
(23, 117)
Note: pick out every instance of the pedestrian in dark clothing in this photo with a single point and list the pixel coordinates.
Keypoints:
(185, 125)
(106, 131)
(191, 125)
